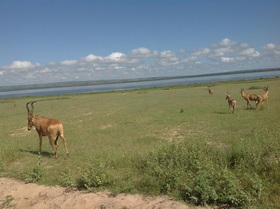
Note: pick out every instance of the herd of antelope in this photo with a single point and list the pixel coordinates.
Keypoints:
(53, 128)
(257, 98)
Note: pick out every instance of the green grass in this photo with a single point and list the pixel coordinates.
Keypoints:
(173, 140)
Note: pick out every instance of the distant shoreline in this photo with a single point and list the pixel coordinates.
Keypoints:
(70, 88)
(132, 80)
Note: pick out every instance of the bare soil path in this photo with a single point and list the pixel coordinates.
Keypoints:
(18, 195)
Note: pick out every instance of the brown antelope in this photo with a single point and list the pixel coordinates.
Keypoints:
(264, 96)
(210, 91)
(231, 102)
(250, 97)
(51, 128)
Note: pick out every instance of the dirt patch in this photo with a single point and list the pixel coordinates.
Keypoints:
(20, 132)
(106, 126)
(16, 194)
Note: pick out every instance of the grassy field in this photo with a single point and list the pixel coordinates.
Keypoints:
(173, 140)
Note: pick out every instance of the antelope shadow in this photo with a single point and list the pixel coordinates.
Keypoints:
(44, 153)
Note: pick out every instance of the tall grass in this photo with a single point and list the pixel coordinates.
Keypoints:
(174, 140)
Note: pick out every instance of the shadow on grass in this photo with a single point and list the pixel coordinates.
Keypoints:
(43, 154)
(221, 113)
(251, 108)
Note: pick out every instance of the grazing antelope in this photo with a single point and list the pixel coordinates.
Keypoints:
(231, 102)
(250, 97)
(210, 91)
(264, 96)
(51, 128)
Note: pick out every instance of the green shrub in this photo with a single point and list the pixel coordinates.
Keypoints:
(7, 201)
(36, 173)
(204, 189)
(255, 87)
(68, 179)
(192, 173)
(93, 177)
(230, 190)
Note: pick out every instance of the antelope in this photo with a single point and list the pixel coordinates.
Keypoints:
(250, 97)
(231, 102)
(51, 128)
(264, 96)
(210, 91)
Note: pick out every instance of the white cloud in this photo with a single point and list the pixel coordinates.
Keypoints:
(92, 57)
(167, 58)
(69, 62)
(116, 56)
(45, 70)
(226, 42)
(220, 52)
(143, 52)
(227, 48)
(227, 59)
(21, 65)
(270, 46)
(200, 52)
(250, 52)
(166, 54)
(189, 59)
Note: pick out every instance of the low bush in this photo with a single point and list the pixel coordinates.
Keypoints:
(93, 177)
(36, 173)
(193, 172)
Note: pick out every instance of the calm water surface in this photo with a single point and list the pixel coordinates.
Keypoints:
(135, 85)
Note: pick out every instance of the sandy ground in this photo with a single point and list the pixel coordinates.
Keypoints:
(16, 194)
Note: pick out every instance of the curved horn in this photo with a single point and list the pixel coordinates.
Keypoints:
(32, 106)
(28, 110)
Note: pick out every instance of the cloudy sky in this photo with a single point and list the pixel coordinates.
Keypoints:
(43, 41)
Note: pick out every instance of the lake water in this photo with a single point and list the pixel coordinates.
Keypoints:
(136, 85)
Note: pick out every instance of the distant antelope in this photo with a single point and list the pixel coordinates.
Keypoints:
(231, 102)
(210, 91)
(51, 128)
(264, 96)
(250, 97)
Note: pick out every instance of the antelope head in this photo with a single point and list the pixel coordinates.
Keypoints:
(30, 115)
(227, 95)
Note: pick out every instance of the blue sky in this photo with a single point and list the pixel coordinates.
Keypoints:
(44, 41)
